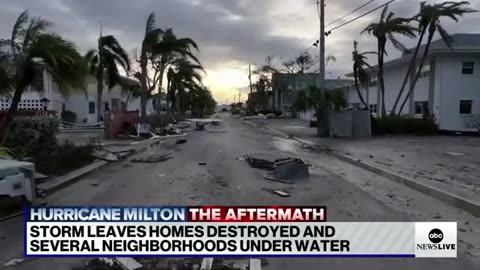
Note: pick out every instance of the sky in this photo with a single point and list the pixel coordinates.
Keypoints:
(231, 34)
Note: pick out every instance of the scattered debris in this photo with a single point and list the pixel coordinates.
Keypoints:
(161, 175)
(13, 262)
(126, 165)
(259, 163)
(290, 168)
(94, 184)
(107, 156)
(282, 193)
(437, 216)
(199, 126)
(454, 154)
(153, 158)
(269, 177)
(202, 163)
(240, 158)
(181, 141)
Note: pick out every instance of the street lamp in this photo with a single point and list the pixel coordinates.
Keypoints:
(45, 101)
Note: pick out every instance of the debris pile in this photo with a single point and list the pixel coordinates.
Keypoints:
(153, 158)
(283, 170)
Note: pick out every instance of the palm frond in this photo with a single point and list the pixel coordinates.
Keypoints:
(60, 58)
(111, 43)
(18, 27)
(445, 36)
(384, 12)
(150, 25)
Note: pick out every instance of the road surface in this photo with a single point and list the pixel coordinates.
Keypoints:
(350, 194)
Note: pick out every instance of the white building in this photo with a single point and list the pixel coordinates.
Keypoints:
(81, 102)
(448, 88)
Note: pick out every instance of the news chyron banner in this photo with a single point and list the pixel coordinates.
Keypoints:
(211, 231)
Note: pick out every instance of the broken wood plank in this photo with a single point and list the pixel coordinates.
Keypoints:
(281, 193)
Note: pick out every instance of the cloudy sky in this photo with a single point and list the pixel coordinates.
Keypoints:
(231, 33)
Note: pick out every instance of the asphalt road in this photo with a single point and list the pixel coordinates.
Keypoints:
(224, 180)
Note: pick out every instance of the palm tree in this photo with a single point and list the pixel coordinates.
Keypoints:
(183, 74)
(384, 31)
(359, 72)
(169, 50)
(103, 60)
(150, 40)
(31, 49)
(429, 19)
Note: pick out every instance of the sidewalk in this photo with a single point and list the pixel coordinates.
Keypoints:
(448, 163)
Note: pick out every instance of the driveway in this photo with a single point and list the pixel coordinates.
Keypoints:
(224, 180)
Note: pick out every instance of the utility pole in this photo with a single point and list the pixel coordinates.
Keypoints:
(322, 43)
(239, 95)
(250, 77)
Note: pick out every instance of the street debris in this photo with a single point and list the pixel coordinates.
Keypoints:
(153, 158)
(259, 163)
(200, 126)
(202, 163)
(107, 156)
(181, 141)
(13, 262)
(454, 154)
(269, 177)
(282, 193)
(281, 170)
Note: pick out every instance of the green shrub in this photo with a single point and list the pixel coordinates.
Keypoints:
(236, 111)
(403, 125)
(29, 135)
(69, 116)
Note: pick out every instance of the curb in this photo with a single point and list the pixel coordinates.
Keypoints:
(76, 175)
(468, 205)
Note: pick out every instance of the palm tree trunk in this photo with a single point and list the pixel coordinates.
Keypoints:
(358, 90)
(99, 94)
(160, 84)
(143, 82)
(381, 50)
(410, 68)
(419, 70)
(10, 114)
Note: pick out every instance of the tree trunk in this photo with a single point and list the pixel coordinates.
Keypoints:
(358, 90)
(410, 67)
(99, 94)
(432, 31)
(160, 84)
(10, 114)
(381, 50)
(143, 82)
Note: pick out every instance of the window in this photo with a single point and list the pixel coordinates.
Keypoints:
(425, 72)
(91, 107)
(373, 108)
(466, 106)
(421, 107)
(468, 68)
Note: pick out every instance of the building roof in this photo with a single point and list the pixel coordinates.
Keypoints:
(461, 43)
(306, 78)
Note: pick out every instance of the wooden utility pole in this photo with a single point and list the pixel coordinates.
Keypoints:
(250, 77)
(322, 43)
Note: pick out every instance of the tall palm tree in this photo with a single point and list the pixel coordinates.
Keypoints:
(169, 50)
(429, 20)
(183, 74)
(359, 72)
(384, 30)
(103, 60)
(33, 48)
(150, 40)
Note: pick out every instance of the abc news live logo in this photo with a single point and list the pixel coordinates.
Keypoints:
(438, 240)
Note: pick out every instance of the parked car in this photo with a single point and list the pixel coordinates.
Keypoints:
(313, 121)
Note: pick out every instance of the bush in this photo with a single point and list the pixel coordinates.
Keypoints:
(29, 135)
(35, 138)
(403, 125)
(69, 116)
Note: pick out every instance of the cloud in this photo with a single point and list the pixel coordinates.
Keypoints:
(230, 33)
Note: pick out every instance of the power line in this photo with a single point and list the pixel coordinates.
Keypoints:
(315, 38)
(351, 12)
(358, 17)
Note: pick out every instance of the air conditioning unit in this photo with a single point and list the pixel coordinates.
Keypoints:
(17, 178)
